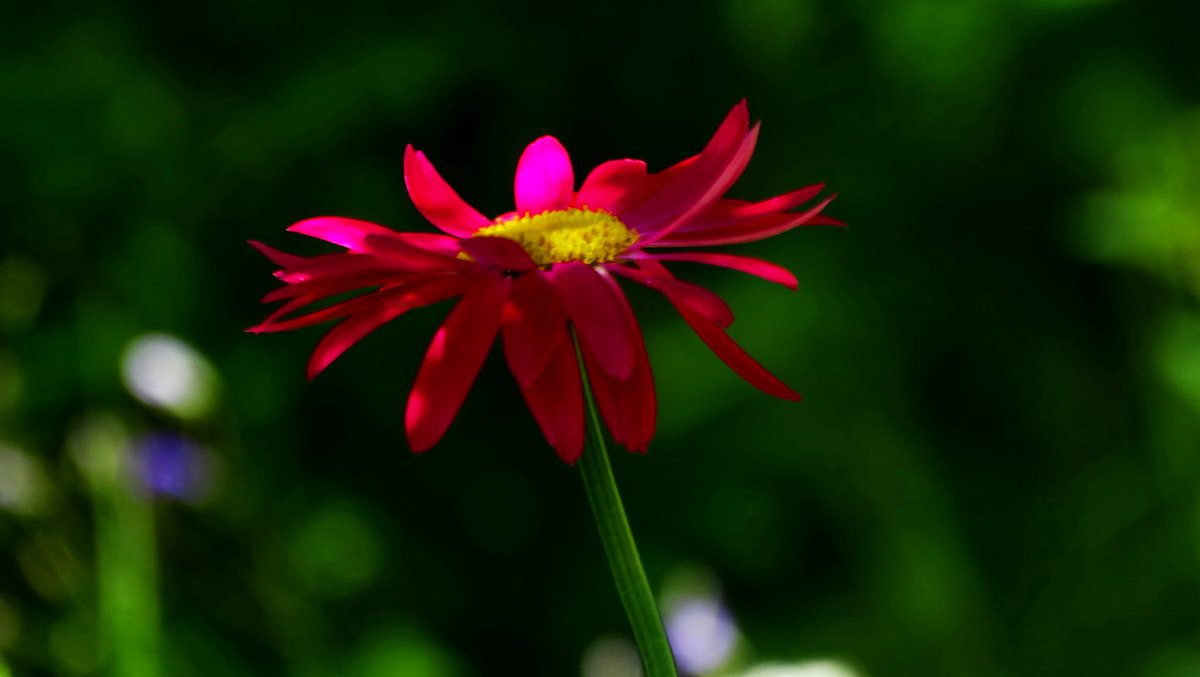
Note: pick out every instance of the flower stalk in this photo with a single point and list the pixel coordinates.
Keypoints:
(628, 574)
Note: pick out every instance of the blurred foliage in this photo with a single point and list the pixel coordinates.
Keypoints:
(996, 469)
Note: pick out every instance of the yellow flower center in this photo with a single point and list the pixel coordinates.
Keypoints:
(587, 235)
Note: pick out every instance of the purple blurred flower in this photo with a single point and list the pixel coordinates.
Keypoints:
(169, 464)
(702, 634)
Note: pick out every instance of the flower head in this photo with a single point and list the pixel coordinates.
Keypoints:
(538, 273)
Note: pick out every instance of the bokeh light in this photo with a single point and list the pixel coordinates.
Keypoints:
(23, 484)
(337, 551)
(817, 668)
(165, 372)
(702, 634)
(611, 657)
(401, 651)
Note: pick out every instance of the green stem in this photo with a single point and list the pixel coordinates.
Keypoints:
(126, 564)
(623, 559)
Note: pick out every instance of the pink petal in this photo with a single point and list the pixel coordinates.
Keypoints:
(544, 178)
(281, 259)
(556, 400)
(386, 308)
(328, 266)
(598, 312)
(453, 360)
(629, 407)
(365, 237)
(749, 231)
(328, 286)
(733, 355)
(349, 233)
(689, 184)
(615, 185)
(436, 200)
(765, 270)
(695, 297)
(534, 322)
(498, 252)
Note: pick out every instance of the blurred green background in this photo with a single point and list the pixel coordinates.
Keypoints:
(995, 471)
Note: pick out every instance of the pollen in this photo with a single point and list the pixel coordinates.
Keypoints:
(587, 235)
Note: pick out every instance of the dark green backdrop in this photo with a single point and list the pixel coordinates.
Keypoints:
(995, 470)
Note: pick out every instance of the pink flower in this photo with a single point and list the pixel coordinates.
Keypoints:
(535, 274)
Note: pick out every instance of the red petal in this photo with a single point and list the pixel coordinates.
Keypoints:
(544, 178)
(731, 212)
(689, 184)
(406, 256)
(696, 297)
(436, 200)
(766, 270)
(717, 185)
(733, 355)
(556, 399)
(386, 307)
(498, 252)
(779, 203)
(273, 323)
(533, 322)
(749, 231)
(430, 242)
(597, 309)
(628, 407)
(453, 360)
(292, 305)
(615, 186)
(822, 220)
